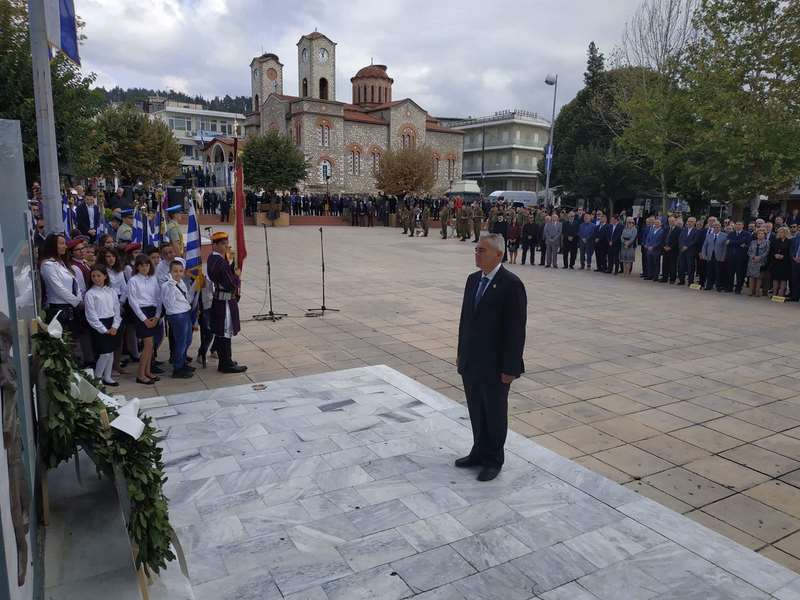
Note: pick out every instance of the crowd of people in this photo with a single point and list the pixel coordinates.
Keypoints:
(727, 255)
(120, 299)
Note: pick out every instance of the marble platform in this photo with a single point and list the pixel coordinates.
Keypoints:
(340, 486)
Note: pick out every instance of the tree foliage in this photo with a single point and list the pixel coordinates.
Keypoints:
(133, 95)
(406, 171)
(273, 162)
(75, 102)
(132, 146)
(742, 74)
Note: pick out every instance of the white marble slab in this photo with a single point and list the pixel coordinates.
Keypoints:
(340, 486)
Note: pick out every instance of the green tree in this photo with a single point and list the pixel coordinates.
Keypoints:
(406, 171)
(75, 102)
(595, 64)
(132, 146)
(273, 162)
(605, 173)
(743, 79)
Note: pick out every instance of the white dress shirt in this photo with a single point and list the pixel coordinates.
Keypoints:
(58, 283)
(102, 303)
(162, 272)
(490, 275)
(175, 298)
(143, 291)
(119, 283)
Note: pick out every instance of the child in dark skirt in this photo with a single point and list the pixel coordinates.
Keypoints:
(103, 316)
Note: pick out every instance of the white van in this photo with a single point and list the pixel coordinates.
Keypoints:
(468, 189)
(516, 198)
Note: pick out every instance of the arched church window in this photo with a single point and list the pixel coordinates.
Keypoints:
(325, 170)
(376, 161)
(355, 162)
(323, 88)
(304, 92)
(324, 135)
(372, 93)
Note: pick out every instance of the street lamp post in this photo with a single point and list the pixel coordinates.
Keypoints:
(551, 79)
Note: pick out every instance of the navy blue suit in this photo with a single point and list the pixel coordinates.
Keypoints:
(689, 242)
(83, 222)
(491, 339)
(738, 244)
(669, 269)
(601, 246)
(654, 243)
(614, 247)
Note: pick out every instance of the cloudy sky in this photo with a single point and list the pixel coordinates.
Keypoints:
(455, 58)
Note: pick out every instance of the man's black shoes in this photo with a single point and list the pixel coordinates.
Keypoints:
(488, 473)
(466, 462)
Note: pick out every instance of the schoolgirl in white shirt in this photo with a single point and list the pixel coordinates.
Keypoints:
(103, 316)
(144, 298)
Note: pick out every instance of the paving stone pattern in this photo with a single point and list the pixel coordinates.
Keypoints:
(340, 486)
(689, 398)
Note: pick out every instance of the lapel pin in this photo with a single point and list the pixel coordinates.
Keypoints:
(494, 285)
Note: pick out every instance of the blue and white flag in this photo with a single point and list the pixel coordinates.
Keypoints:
(548, 160)
(156, 230)
(102, 226)
(61, 28)
(138, 228)
(192, 251)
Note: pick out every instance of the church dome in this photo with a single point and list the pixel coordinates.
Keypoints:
(373, 72)
(372, 86)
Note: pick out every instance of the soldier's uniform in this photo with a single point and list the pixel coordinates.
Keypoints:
(426, 215)
(493, 212)
(401, 214)
(124, 234)
(466, 217)
(477, 222)
(444, 217)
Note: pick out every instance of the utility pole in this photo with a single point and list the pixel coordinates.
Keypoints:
(45, 119)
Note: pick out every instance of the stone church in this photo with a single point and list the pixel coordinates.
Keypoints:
(343, 141)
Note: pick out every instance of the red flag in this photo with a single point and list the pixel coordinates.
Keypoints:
(238, 204)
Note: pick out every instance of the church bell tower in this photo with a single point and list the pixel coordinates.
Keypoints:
(266, 77)
(316, 58)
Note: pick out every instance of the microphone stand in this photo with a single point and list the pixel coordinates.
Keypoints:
(270, 316)
(319, 312)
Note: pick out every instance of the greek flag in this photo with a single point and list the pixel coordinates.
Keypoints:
(61, 28)
(102, 227)
(192, 252)
(65, 216)
(138, 228)
(155, 239)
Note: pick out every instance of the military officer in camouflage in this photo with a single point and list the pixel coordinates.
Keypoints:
(444, 218)
(464, 222)
(477, 220)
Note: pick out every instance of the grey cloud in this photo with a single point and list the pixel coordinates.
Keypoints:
(455, 58)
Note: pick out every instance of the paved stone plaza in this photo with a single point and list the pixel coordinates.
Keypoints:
(340, 486)
(689, 398)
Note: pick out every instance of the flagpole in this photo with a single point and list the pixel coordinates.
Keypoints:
(233, 188)
(45, 120)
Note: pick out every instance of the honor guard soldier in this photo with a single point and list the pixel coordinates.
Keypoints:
(125, 231)
(463, 221)
(225, 304)
(174, 233)
(444, 218)
(426, 216)
(401, 214)
(477, 220)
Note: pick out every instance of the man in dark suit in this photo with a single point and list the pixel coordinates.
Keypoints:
(654, 245)
(794, 253)
(601, 244)
(738, 245)
(491, 339)
(689, 243)
(614, 245)
(645, 225)
(88, 217)
(669, 268)
(569, 242)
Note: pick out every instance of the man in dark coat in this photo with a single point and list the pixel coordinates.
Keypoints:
(601, 244)
(669, 262)
(689, 243)
(225, 306)
(614, 245)
(569, 242)
(88, 217)
(491, 339)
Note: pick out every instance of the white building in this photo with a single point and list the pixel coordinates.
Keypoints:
(192, 125)
(504, 151)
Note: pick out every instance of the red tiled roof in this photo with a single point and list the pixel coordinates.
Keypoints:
(228, 141)
(355, 115)
(385, 105)
(375, 71)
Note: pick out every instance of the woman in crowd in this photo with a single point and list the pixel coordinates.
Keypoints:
(627, 254)
(144, 298)
(103, 316)
(779, 265)
(757, 255)
(106, 241)
(61, 295)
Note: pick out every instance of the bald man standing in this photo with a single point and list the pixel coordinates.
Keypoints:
(491, 339)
